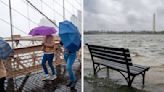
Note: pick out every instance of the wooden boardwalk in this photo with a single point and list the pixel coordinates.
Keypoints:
(35, 83)
(27, 61)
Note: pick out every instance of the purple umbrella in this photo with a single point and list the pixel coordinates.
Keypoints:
(42, 31)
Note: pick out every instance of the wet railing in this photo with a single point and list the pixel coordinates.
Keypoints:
(28, 59)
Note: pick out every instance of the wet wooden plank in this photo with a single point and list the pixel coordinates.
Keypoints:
(27, 49)
(28, 38)
(34, 83)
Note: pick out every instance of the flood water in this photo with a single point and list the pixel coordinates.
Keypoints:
(146, 49)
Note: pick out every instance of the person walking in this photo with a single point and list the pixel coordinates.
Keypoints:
(71, 40)
(69, 58)
(48, 55)
(5, 53)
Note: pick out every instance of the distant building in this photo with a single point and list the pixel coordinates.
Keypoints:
(154, 23)
(77, 20)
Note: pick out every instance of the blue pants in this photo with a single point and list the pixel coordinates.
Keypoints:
(70, 59)
(49, 58)
(2, 81)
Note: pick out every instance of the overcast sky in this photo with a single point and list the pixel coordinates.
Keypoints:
(51, 8)
(121, 15)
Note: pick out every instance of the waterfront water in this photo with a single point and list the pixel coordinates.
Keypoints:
(146, 49)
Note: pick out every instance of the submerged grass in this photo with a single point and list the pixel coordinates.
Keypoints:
(95, 84)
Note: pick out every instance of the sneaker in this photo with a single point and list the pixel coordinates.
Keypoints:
(53, 77)
(73, 84)
(46, 77)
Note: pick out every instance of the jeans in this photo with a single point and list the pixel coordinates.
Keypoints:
(2, 80)
(49, 58)
(70, 59)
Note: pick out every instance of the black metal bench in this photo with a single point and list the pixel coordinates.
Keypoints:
(117, 59)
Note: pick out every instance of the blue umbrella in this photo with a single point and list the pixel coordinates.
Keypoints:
(5, 49)
(70, 36)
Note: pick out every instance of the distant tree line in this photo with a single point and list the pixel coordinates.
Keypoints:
(121, 32)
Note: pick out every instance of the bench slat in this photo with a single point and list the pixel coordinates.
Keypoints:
(104, 47)
(118, 51)
(110, 59)
(106, 50)
(122, 67)
(140, 66)
(111, 55)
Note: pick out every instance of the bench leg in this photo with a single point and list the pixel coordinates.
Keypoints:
(94, 70)
(107, 72)
(129, 84)
(130, 81)
(95, 66)
(143, 78)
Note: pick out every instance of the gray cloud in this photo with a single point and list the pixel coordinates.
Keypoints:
(123, 14)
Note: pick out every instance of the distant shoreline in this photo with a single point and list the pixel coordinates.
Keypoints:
(141, 32)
